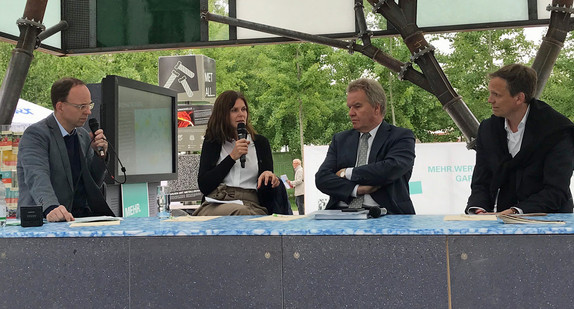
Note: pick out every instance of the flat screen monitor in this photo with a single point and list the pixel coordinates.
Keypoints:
(140, 123)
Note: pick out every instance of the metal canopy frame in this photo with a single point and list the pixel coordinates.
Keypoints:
(432, 79)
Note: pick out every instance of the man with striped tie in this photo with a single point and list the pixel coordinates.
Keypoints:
(371, 164)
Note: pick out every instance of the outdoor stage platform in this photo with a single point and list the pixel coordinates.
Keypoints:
(395, 261)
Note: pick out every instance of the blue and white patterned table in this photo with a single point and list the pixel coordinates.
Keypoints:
(388, 225)
(228, 262)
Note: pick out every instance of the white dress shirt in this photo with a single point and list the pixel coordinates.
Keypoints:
(514, 139)
(369, 201)
(245, 178)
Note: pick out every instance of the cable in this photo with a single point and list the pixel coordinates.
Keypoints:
(123, 169)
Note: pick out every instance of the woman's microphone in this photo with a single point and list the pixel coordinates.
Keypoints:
(241, 133)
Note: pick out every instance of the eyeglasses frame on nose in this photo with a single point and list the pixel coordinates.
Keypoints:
(81, 107)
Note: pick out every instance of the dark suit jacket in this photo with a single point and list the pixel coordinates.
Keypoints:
(211, 174)
(45, 174)
(389, 165)
(537, 179)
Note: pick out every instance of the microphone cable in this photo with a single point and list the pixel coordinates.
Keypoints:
(122, 168)
(86, 164)
(95, 126)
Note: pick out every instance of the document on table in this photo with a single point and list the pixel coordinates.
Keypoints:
(212, 200)
(328, 214)
(190, 218)
(523, 219)
(463, 217)
(276, 217)
(95, 221)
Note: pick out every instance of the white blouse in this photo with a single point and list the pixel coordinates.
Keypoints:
(245, 178)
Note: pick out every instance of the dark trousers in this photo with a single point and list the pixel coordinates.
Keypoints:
(300, 202)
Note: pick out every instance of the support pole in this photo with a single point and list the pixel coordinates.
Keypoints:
(62, 25)
(552, 43)
(403, 17)
(30, 26)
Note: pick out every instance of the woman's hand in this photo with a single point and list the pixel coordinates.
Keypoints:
(268, 177)
(239, 149)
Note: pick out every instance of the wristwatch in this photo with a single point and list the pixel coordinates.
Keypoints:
(342, 174)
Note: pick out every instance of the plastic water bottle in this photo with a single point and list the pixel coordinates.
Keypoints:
(163, 200)
(2, 204)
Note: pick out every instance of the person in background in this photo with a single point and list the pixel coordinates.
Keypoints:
(524, 151)
(299, 185)
(371, 164)
(221, 178)
(61, 166)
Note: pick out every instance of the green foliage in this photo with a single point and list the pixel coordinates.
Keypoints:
(46, 68)
(477, 53)
(218, 31)
(276, 80)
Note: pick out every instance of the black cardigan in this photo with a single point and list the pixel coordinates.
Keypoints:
(211, 174)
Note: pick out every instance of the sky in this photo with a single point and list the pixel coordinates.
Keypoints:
(534, 34)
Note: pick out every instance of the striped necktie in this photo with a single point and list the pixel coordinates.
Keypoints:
(361, 160)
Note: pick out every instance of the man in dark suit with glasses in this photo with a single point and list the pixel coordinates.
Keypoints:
(61, 166)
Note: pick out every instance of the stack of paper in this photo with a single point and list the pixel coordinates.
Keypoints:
(277, 217)
(95, 221)
(523, 219)
(465, 217)
(339, 215)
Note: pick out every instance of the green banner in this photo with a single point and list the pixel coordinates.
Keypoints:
(135, 201)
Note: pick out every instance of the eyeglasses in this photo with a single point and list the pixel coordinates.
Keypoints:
(81, 106)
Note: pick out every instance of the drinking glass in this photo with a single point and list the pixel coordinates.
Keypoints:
(163, 202)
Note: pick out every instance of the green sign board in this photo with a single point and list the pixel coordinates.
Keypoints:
(135, 201)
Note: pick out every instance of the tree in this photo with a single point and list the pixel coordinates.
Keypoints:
(46, 68)
(275, 79)
(477, 53)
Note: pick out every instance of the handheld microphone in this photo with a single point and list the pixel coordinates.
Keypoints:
(241, 133)
(94, 126)
(375, 211)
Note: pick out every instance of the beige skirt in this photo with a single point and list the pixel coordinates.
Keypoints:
(249, 198)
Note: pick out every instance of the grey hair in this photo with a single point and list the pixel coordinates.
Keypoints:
(373, 90)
